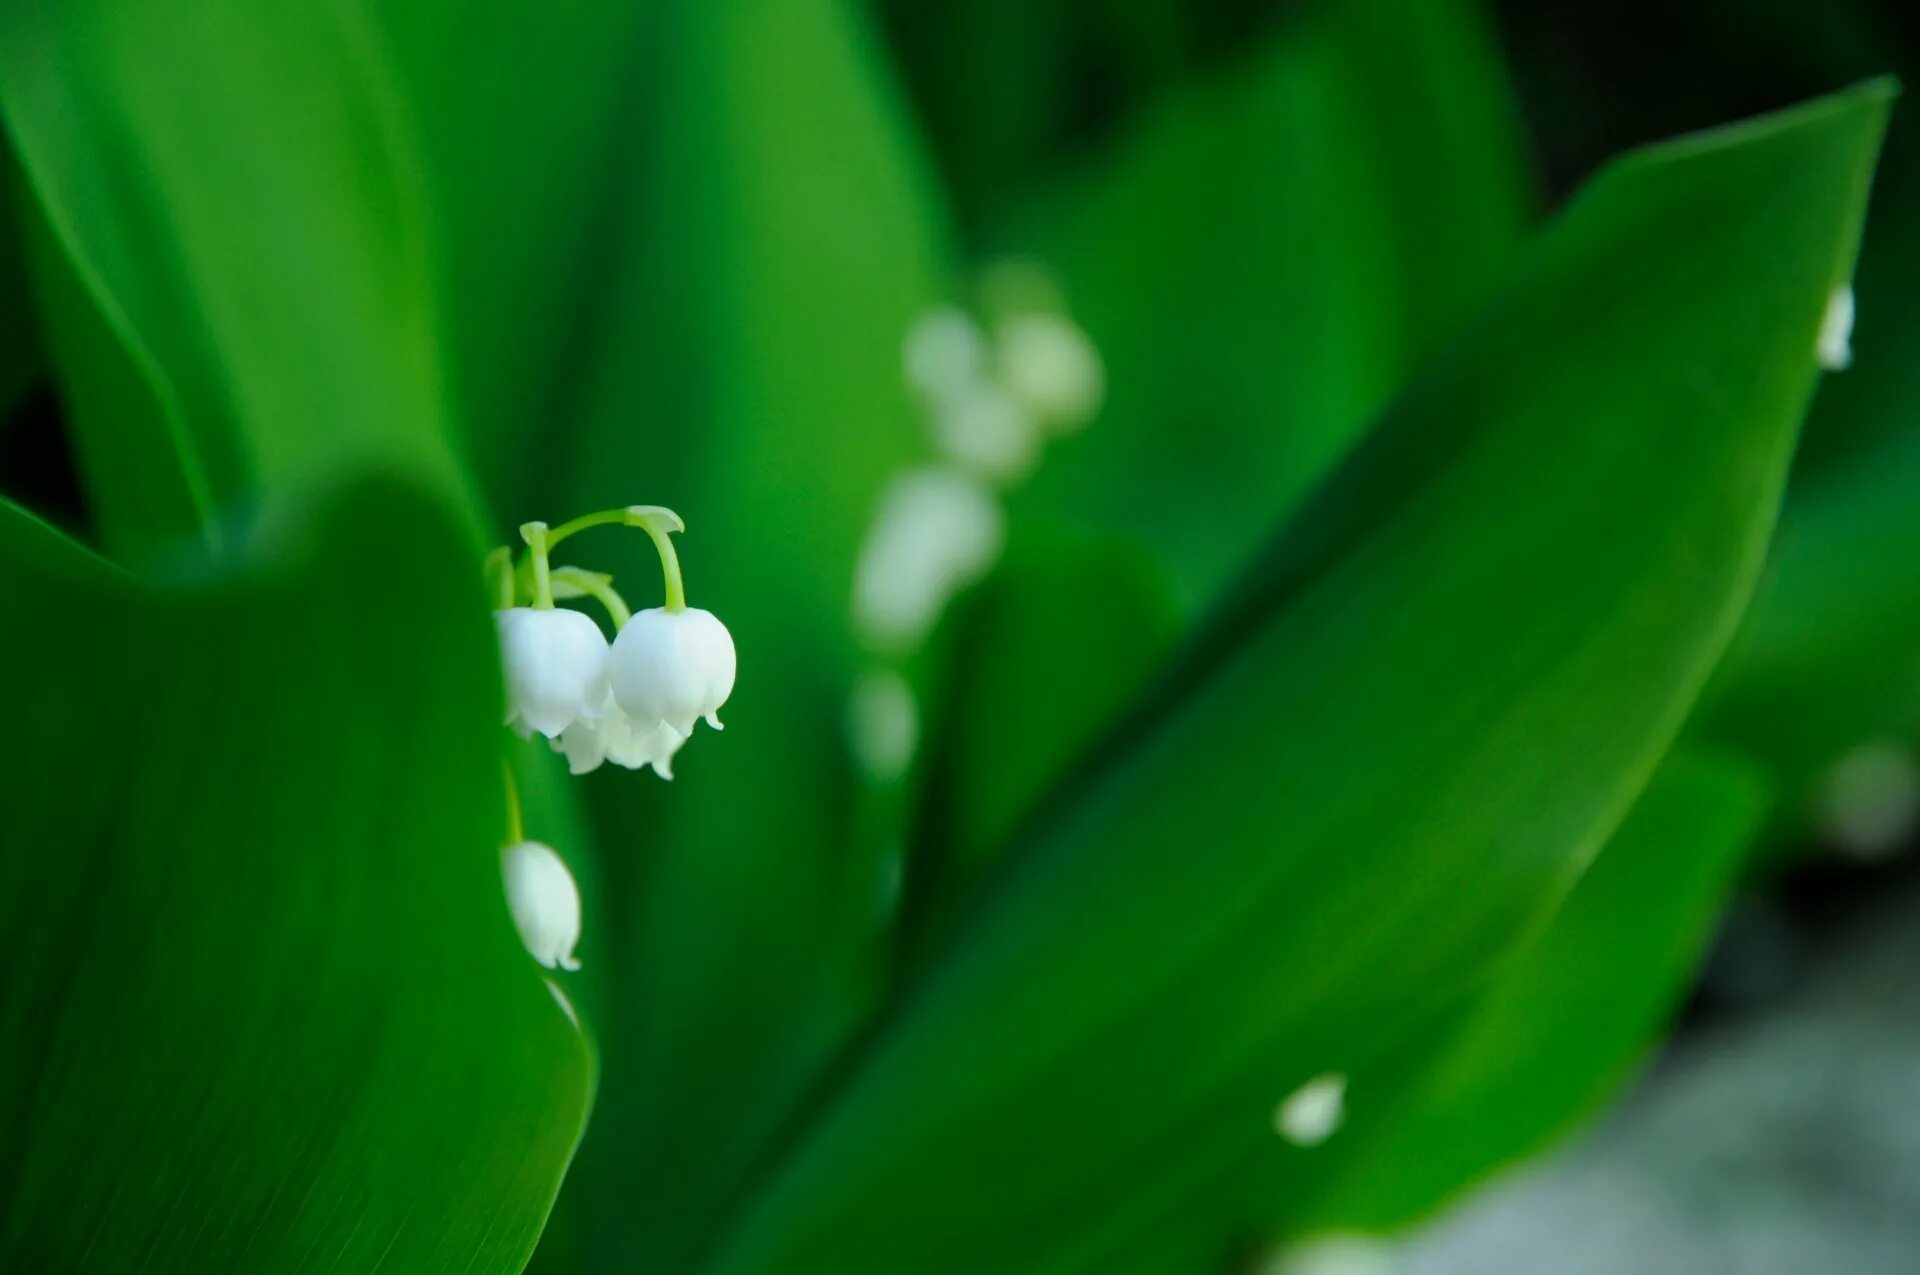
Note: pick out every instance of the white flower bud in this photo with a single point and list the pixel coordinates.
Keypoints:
(1051, 367)
(544, 901)
(1835, 344)
(1313, 1112)
(883, 723)
(983, 427)
(673, 667)
(1870, 800)
(937, 530)
(556, 667)
(944, 352)
(617, 738)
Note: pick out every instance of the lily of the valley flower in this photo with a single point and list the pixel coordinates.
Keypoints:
(544, 902)
(1051, 369)
(556, 667)
(1834, 346)
(617, 738)
(673, 665)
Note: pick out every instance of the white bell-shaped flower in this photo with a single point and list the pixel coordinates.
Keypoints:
(981, 426)
(944, 352)
(673, 667)
(615, 737)
(937, 530)
(1834, 345)
(556, 667)
(544, 902)
(1052, 368)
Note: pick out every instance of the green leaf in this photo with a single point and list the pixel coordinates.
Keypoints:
(235, 193)
(1426, 710)
(1301, 304)
(784, 237)
(1561, 1027)
(20, 356)
(264, 1006)
(1262, 263)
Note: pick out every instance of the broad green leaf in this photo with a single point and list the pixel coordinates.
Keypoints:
(264, 1008)
(1263, 261)
(783, 239)
(1260, 264)
(1474, 1086)
(527, 119)
(235, 190)
(1826, 659)
(1426, 709)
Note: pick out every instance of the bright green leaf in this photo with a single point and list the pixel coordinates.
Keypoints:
(1395, 751)
(264, 1008)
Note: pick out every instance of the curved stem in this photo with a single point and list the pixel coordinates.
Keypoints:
(537, 538)
(599, 587)
(669, 565)
(515, 833)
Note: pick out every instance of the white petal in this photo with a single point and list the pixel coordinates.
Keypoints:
(672, 666)
(555, 663)
(544, 902)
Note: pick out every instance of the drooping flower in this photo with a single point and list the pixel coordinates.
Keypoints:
(1051, 368)
(615, 737)
(544, 902)
(944, 352)
(936, 531)
(981, 426)
(674, 666)
(556, 667)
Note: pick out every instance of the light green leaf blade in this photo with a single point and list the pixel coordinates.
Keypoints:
(1428, 709)
(264, 1007)
(784, 237)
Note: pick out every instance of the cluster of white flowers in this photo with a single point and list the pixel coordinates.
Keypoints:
(993, 388)
(633, 701)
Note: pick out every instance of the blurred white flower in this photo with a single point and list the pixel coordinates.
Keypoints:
(1870, 800)
(615, 737)
(544, 901)
(944, 352)
(1051, 368)
(1835, 344)
(936, 531)
(1331, 1255)
(982, 427)
(556, 667)
(883, 723)
(1313, 1112)
(674, 667)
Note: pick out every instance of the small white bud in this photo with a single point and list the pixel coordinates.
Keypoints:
(937, 530)
(883, 723)
(544, 901)
(674, 667)
(944, 352)
(1835, 345)
(1313, 1112)
(1051, 367)
(981, 426)
(1870, 800)
(556, 667)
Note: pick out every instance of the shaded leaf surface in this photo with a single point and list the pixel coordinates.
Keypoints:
(265, 1009)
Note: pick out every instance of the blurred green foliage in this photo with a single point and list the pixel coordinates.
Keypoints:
(1315, 674)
